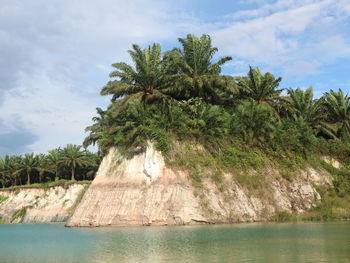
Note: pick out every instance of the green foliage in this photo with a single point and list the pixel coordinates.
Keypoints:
(295, 136)
(260, 88)
(332, 207)
(242, 158)
(337, 105)
(194, 75)
(144, 82)
(2, 221)
(254, 122)
(182, 96)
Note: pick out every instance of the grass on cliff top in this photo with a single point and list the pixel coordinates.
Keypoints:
(235, 158)
(47, 184)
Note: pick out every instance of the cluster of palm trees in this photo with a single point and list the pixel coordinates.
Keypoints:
(70, 162)
(181, 93)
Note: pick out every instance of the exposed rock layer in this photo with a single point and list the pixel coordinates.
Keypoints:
(41, 205)
(142, 191)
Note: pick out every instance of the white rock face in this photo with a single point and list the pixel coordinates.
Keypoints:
(137, 191)
(142, 191)
(42, 205)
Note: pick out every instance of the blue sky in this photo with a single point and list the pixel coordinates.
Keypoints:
(56, 55)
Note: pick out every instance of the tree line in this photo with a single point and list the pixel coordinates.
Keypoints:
(69, 163)
(181, 95)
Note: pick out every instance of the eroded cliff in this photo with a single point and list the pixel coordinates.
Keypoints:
(39, 205)
(142, 190)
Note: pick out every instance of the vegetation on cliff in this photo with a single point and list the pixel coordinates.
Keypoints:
(242, 122)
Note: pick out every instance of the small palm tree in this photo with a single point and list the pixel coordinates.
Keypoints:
(260, 88)
(338, 106)
(73, 157)
(197, 76)
(255, 122)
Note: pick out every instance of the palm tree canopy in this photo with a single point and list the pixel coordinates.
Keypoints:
(338, 106)
(302, 106)
(261, 88)
(143, 81)
(197, 75)
(73, 156)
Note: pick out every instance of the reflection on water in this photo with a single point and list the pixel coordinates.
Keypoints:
(302, 242)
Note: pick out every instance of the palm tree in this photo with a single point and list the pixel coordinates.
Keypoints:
(53, 160)
(43, 166)
(338, 107)
(197, 76)
(143, 82)
(302, 107)
(260, 88)
(73, 157)
(29, 163)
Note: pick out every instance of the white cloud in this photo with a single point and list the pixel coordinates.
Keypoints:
(287, 34)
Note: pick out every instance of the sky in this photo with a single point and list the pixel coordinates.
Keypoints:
(55, 55)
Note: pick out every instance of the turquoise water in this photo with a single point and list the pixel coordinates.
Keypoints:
(301, 242)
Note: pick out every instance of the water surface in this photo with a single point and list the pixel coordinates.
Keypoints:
(300, 242)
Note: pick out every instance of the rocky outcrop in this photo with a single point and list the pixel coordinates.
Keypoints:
(38, 205)
(141, 190)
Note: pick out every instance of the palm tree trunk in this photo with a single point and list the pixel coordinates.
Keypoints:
(73, 173)
(28, 177)
(56, 173)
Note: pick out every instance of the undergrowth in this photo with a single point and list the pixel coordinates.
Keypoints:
(3, 198)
